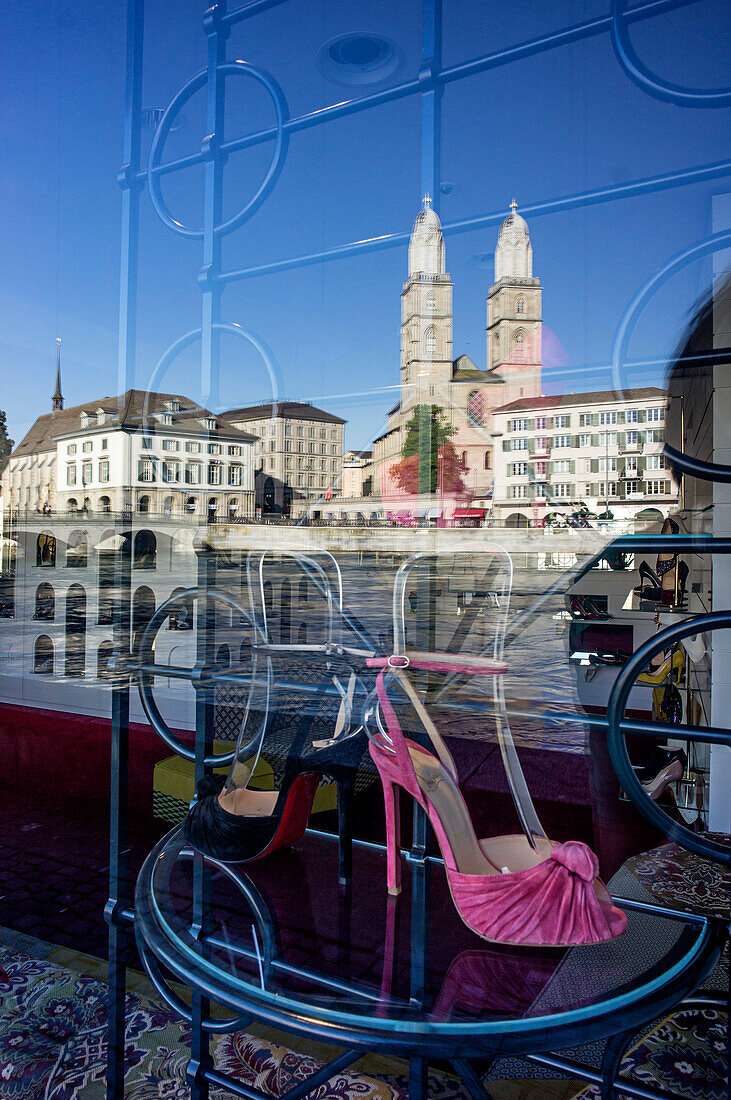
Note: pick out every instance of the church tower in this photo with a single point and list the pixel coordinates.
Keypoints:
(426, 315)
(57, 400)
(514, 312)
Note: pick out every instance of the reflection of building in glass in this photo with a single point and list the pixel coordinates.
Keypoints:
(154, 452)
(430, 375)
(298, 456)
(357, 480)
(556, 453)
(60, 597)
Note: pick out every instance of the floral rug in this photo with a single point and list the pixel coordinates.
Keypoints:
(683, 880)
(53, 1046)
(685, 1054)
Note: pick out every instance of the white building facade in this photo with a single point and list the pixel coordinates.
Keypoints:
(561, 453)
(147, 452)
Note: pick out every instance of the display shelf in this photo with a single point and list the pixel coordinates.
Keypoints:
(285, 945)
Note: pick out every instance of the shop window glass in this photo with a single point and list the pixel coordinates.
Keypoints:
(43, 655)
(45, 603)
(103, 656)
(76, 550)
(46, 550)
(181, 617)
(145, 550)
(75, 661)
(143, 608)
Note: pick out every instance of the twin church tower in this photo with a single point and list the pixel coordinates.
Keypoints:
(432, 375)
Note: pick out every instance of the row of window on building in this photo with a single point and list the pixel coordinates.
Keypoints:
(181, 617)
(630, 438)
(587, 420)
(600, 490)
(298, 447)
(170, 472)
(266, 428)
(144, 550)
(148, 442)
(628, 464)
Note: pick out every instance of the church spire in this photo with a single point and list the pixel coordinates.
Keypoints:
(58, 396)
(426, 247)
(514, 254)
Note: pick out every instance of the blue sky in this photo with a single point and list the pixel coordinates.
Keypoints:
(564, 122)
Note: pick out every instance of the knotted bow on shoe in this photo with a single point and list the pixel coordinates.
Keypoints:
(551, 904)
(577, 858)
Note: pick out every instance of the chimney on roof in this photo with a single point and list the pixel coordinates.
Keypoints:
(58, 396)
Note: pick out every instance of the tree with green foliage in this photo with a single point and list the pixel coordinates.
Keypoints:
(445, 467)
(6, 443)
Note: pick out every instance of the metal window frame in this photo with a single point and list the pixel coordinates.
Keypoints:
(428, 85)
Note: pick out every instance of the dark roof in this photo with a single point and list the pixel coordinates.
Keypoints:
(465, 370)
(295, 410)
(126, 412)
(383, 435)
(595, 398)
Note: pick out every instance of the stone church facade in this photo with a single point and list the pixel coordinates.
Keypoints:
(431, 374)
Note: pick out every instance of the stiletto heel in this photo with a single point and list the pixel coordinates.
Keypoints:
(672, 591)
(345, 830)
(646, 573)
(392, 807)
(234, 824)
(651, 591)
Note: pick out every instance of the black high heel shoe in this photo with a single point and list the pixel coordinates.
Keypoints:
(649, 574)
(234, 824)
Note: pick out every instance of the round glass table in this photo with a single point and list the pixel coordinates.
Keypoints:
(280, 942)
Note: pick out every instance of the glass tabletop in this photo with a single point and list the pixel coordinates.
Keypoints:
(281, 940)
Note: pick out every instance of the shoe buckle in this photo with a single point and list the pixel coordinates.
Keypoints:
(398, 660)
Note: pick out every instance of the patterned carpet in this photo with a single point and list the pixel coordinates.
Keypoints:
(687, 1053)
(53, 1046)
(53, 1030)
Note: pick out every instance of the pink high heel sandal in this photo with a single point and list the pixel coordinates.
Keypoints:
(521, 889)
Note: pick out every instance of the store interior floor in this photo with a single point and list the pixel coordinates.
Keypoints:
(54, 871)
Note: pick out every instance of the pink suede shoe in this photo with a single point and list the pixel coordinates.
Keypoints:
(522, 889)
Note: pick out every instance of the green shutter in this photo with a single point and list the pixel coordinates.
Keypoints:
(595, 440)
(595, 465)
(506, 444)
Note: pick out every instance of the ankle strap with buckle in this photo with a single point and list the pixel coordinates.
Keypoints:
(441, 662)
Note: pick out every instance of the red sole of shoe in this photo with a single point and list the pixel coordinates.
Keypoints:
(296, 813)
